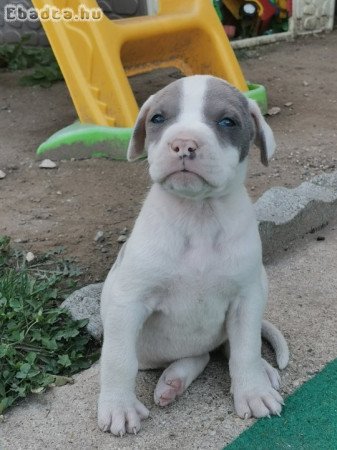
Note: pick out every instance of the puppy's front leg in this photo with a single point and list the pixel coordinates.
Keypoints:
(254, 395)
(119, 410)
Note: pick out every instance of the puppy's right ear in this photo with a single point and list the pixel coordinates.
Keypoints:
(137, 141)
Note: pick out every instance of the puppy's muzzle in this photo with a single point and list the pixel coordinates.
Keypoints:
(184, 148)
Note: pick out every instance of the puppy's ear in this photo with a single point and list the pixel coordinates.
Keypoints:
(264, 137)
(137, 141)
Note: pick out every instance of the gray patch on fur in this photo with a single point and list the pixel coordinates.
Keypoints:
(187, 243)
(216, 240)
(222, 100)
(166, 102)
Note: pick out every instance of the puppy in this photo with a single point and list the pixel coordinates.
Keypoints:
(190, 276)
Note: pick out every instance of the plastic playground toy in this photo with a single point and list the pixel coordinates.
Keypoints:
(97, 56)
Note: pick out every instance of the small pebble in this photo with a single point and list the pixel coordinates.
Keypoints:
(2, 174)
(305, 83)
(99, 236)
(30, 256)
(48, 164)
(288, 104)
(273, 111)
(121, 238)
(124, 231)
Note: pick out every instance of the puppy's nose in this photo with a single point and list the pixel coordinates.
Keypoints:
(184, 148)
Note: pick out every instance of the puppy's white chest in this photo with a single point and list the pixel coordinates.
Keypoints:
(199, 256)
(190, 316)
(199, 266)
(200, 279)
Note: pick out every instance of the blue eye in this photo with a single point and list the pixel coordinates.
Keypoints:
(158, 118)
(226, 122)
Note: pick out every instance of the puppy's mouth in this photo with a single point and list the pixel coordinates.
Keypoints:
(182, 171)
(187, 177)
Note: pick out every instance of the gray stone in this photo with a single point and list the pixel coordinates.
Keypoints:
(30, 257)
(274, 110)
(286, 214)
(99, 236)
(48, 164)
(84, 304)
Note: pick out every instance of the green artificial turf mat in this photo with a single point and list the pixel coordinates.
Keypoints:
(308, 420)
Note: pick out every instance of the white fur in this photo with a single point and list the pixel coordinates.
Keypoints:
(190, 278)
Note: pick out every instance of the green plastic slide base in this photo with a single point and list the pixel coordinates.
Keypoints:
(82, 141)
(258, 93)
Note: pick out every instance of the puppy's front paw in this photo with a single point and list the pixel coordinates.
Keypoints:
(256, 397)
(120, 414)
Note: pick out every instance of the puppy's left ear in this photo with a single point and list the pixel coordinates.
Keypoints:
(137, 141)
(264, 137)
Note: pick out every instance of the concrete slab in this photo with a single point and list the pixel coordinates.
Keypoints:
(287, 214)
(302, 303)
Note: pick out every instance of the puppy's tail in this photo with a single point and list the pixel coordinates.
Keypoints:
(276, 339)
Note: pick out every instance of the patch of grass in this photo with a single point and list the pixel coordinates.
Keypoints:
(41, 59)
(40, 345)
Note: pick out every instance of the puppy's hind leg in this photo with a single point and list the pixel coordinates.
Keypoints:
(177, 377)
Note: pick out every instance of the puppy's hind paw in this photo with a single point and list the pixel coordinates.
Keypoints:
(167, 390)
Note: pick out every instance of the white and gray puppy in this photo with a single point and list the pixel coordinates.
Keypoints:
(191, 276)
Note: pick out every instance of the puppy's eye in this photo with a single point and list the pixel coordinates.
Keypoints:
(226, 122)
(157, 118)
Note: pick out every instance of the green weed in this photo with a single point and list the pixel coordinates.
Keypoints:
(40, 345)
(41, 59)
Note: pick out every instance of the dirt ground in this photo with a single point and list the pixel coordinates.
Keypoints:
(68, 205)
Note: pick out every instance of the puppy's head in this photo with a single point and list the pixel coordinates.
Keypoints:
(197, 132)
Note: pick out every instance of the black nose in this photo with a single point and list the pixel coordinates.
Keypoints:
(184, 148)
